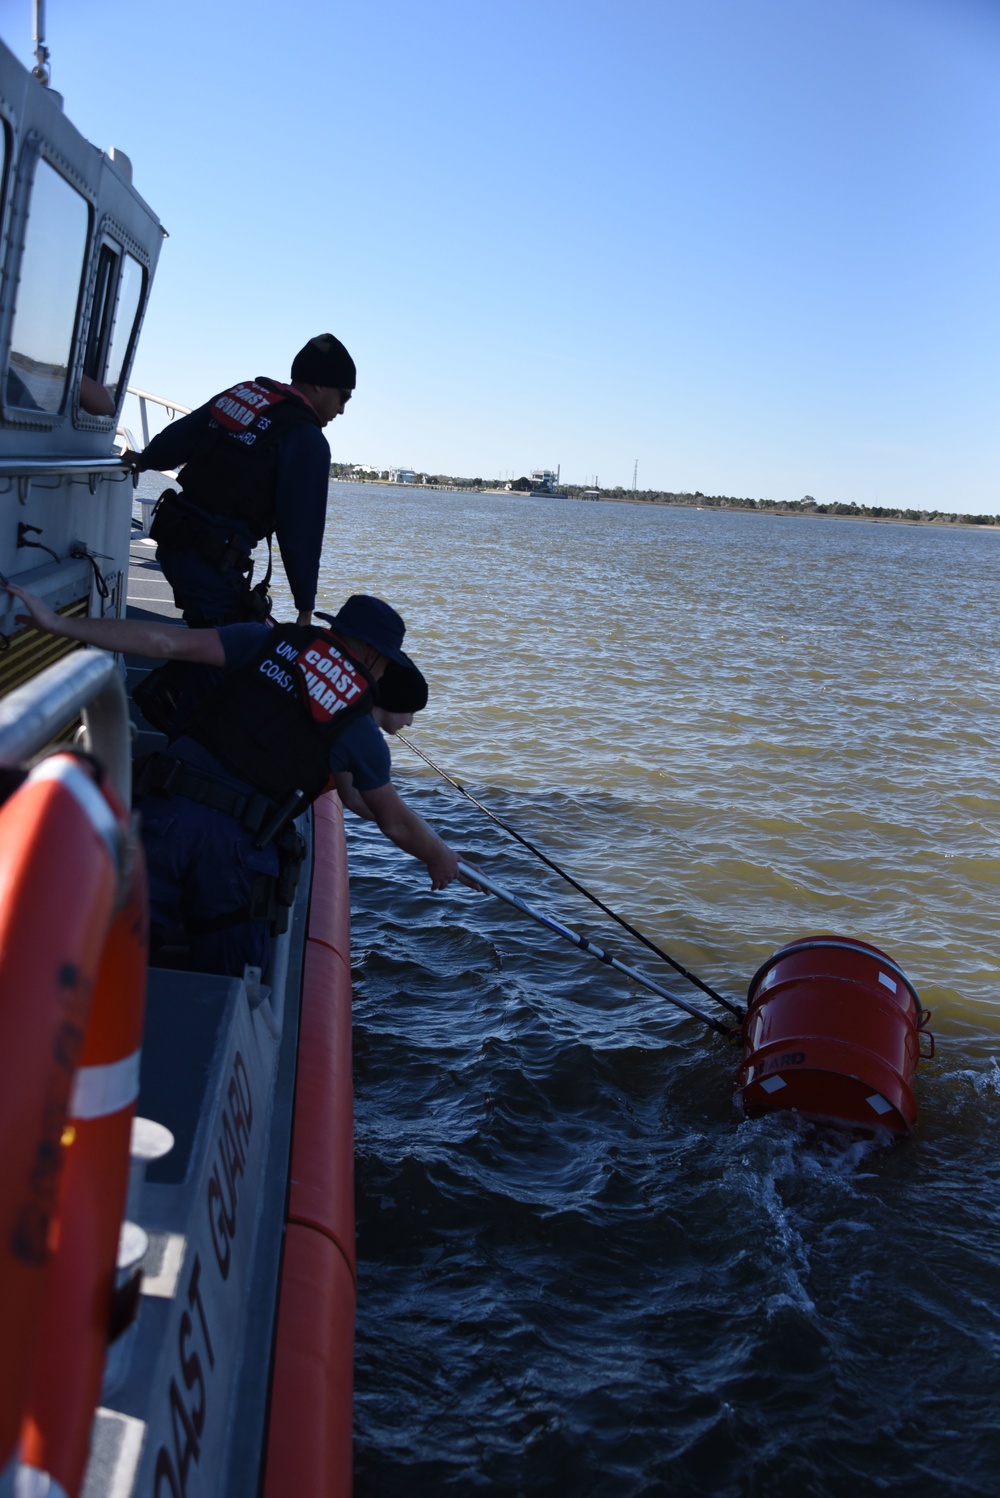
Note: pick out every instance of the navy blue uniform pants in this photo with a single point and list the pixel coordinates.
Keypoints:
(202, 864)
(204, 595)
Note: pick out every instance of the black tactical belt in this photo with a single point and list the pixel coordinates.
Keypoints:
(174, 525)
(161, 775)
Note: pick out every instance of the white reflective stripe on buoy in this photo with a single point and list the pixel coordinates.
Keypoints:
(100, 1090)
(889, 982)
(774, 1084)
(878, 1102)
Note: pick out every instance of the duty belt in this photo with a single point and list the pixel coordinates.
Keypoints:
(175, 524)
(271, 895)
(162, 775)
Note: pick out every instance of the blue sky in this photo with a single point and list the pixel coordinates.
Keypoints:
(752, 244)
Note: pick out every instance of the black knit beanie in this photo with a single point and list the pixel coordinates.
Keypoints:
(401, 689)
(325, 361)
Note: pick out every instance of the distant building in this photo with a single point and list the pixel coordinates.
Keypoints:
(544, 480)
(402, 476)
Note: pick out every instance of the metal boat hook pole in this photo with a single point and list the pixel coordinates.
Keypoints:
(581, 888)
(586, 945)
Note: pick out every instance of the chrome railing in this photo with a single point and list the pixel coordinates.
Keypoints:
(173, 408)
(142, 396)
(87, 681)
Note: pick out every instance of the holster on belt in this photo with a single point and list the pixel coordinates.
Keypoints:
(174, 524)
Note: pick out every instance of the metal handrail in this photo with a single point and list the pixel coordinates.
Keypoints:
(142, 396)
(14, 467)
(86, 681)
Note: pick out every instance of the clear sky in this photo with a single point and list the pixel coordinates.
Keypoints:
(754, 244)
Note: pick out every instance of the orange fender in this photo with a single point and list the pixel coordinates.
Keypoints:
(309, 1430)
(58, 885)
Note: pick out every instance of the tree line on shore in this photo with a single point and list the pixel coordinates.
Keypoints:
(807, 505)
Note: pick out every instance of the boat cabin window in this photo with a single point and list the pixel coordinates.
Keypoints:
(102, 314)
(131, 292)
(48, 294)
(120, 280)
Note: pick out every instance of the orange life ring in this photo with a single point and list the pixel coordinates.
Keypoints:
(73, 942)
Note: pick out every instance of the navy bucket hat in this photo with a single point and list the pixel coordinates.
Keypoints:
(372, 620)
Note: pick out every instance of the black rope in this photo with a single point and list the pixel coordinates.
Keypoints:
(23, 531)
(80, 553)
(664, 956)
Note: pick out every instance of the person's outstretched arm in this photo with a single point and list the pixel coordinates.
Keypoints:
(351, 798)
(174, 445)
(411, 833)
(161, 642)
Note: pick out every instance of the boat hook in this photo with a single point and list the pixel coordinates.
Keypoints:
(475, 876)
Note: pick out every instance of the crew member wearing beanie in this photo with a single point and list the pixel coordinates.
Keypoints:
(253, 463)
(398, 694)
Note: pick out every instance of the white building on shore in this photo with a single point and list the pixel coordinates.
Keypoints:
(544, 480)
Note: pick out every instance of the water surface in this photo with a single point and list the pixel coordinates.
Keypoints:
(580, 1271)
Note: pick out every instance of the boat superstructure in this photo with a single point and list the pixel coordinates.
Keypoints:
(78, 248)
(241, 1188)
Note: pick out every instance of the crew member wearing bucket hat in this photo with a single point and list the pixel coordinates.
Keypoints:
(293, 706)
(253, 463)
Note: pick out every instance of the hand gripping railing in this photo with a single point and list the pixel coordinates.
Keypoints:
(86, 681)
(172, 408)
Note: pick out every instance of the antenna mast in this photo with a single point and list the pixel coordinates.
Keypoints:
(635, 471)
(41, 70)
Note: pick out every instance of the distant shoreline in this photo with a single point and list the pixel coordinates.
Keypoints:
(988, 523)
(937, 519)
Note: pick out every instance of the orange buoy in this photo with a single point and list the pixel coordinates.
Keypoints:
(833, 1031)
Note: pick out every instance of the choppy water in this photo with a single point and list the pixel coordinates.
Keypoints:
(580, 1272)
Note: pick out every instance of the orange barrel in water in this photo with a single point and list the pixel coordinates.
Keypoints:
(833, 1031)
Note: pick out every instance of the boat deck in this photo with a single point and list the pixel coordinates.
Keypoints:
(184, 1403)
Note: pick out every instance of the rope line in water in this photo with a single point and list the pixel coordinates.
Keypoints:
(595, 899)
(585, 945)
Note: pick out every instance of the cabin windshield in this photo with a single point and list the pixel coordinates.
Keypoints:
(48, 293)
